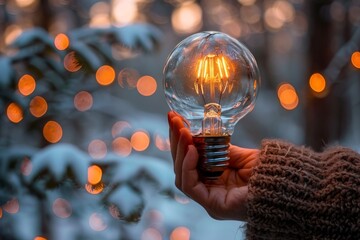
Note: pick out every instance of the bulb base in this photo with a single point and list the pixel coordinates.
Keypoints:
(213, 155)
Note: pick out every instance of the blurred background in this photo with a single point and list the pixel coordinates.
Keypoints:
(84, 145)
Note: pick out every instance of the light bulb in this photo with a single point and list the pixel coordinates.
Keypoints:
(212, 81)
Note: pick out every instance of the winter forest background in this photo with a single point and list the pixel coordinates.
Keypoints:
(84, 148)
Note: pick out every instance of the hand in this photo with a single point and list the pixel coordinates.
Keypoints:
(227, 197)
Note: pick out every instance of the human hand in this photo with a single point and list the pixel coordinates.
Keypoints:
(227, 197)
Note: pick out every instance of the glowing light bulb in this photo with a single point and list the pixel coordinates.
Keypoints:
(212, 81)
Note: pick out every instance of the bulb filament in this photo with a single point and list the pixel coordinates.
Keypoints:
(212, 81)
(212, 77)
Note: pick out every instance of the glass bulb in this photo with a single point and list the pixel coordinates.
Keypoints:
(212, 81)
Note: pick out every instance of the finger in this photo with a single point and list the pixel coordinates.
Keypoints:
(191, 185)
(176, 125)
(185, 140)
(240, 157)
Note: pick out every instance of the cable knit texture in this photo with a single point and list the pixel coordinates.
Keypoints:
(296, 193)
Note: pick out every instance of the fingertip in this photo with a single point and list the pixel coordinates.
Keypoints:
(177, 123)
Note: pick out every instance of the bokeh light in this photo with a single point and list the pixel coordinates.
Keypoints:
(26, 166)
(61, 41)
(94, 189)
(119, 127)
(97, 149)
(14, 113)
(62, 208)
(97, 223)
(278, 14)
(124, 11)
(151, 234)
(187, 18)
(317, 82)
(94, 174)
(39, 238)
(161, 143)
(38, 106)
(122, 146)
(355, 59)
(146, 85)
(100, 15)
(287, 96)
(12, 206)
(83, 101)
(128, 77)
(1, 213)
(247, 2)
(105, 75)
(140, 141)
(180, 233)
(11, 33)
(25, 3)
(26, 85)
(52, 131)
(71, 63)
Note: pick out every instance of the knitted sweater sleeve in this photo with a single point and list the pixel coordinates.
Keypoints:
(295, 193)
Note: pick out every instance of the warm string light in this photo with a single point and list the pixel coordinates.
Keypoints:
(180, 233)
(317, 83)
(94, 174)
(355, 59)
(26, 84)
(61, 41)
(105, 75)
(52, 131)
(38, 106)
(287, 96)
(14, 113)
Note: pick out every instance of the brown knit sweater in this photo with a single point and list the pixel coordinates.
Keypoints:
(296, 193)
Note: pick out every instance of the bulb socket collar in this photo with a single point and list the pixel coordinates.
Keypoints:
(213, 155)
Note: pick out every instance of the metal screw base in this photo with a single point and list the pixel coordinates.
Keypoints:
(213, 155)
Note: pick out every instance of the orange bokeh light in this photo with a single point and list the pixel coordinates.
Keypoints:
(14, 113)
(1, 212)
(61, 41)
(140, 141)
(317, 82)
(287, 96)
(83, 101)
(97, 149)
(38, 106)
(122, 146)
(94, 174)
(94, 189)
(62, 208)
(39, 238)
(71, 63)
(187, 18)
(355, 59)
(52, 132)
(12, 206)
(180, 233)
(146, 85)
(26, 85)
(105, 75)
